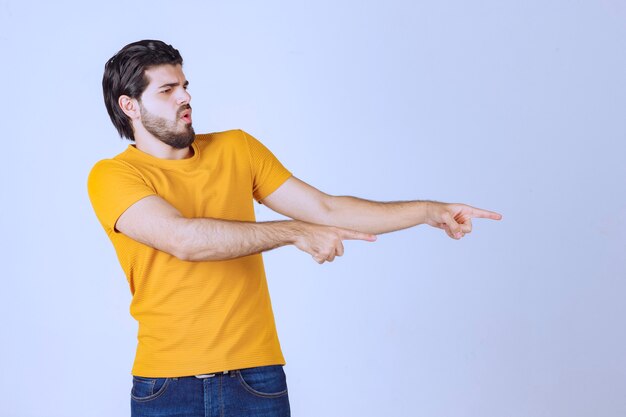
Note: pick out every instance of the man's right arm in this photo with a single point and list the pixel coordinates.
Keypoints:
(156, 223)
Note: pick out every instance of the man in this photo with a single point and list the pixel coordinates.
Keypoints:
(178, 208)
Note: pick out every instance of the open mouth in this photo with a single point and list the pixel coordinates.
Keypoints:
(186, 116)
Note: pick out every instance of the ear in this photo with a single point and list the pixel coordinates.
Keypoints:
(129, 106)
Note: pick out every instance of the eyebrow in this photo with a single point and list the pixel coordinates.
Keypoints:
(185, 84)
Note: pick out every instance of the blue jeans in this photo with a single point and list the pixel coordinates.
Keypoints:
(252, 392)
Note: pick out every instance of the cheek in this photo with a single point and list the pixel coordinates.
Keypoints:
(160, 109)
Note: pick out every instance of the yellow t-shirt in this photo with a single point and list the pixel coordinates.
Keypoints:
(194, 317)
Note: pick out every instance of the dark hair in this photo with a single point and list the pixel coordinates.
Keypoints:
(125, 74)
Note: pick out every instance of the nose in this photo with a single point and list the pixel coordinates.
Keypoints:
(184, 97)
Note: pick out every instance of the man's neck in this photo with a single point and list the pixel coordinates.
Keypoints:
(153, 146)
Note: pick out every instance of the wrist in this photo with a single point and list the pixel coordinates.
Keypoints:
(422, 211)
(290, 230)
(427, 210)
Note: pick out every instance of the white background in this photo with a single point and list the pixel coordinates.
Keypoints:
(514, 106)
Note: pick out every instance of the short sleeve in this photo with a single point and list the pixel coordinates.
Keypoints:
(267, 172)
(113, 187)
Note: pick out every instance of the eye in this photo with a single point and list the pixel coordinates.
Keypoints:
(167, 90)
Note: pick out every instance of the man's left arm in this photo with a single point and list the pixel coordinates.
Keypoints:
(300, 201)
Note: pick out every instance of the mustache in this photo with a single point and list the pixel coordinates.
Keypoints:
(182, 109)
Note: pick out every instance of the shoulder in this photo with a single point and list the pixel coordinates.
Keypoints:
(123, 160)
(234, 138)
(111, 166)
(112, 173)
(226, 135)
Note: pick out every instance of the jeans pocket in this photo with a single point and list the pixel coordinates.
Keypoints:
(264, 381)
(146, 389)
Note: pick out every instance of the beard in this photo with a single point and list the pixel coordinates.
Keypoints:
(168, 131)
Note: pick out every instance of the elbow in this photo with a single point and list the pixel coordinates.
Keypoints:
(187, 255)
(181, 248)
(186, 251)
(180, 251)
(188, 242)
(182, 255)
(326, 211)
(181, 244)
(203, 256)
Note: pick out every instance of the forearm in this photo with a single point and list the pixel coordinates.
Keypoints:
(207, 239)
(156, 223)
(375, 217)
(298, 200)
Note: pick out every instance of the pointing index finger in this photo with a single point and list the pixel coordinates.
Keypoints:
(347, 234)
(485, 214)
